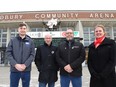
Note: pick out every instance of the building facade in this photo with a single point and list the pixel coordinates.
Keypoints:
(81, 21)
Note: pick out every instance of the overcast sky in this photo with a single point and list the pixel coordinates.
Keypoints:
(40, 5)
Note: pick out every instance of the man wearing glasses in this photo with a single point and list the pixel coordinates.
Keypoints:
(70, 56)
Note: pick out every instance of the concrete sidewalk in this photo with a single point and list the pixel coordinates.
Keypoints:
(4, 77)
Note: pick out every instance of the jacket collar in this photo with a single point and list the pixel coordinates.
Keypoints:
(71, 41)
(47, 44)
(105, 41)
(67, 41)
(25, 39)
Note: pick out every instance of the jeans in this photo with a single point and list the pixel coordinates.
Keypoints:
(15, 77)
(65, 81)
(44, 84)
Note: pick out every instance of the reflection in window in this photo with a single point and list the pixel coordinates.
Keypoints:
(13, 35)
(36, 29)
(33, 29)
(108, 32)
(4, 35)
(39, 29)
(88, 35)
(3, 40)
(3, 44)
(4, 30)
(114, 31)
(13, 30)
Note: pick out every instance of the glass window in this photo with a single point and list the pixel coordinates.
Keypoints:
(3, 44)
(86, 43)
(33, 29)
(108, 32)
(115, 38)
(114, 34)
(92, 39)
(39, 29)
(12, 30)
(114, 31)
(88, 35)
(12, 35)
(4, 35)
(4, 30)
(3, 40)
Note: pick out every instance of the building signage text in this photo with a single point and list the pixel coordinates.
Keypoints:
(11, 17)
(58, 15)
(102, 15)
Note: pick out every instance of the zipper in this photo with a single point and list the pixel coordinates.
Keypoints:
(21, 51)
(69, 47)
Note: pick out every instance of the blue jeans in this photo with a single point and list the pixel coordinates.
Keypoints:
(44, 84)
(15, 77)
(65, 81)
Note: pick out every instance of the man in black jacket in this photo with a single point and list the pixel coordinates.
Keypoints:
(45, 61)
(70, 56)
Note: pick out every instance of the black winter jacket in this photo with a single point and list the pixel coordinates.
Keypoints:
(73, 55)
(45, 60)
(101, 64)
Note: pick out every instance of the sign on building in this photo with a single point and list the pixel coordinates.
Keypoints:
(55, 34)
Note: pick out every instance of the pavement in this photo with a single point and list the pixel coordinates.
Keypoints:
(4, 77)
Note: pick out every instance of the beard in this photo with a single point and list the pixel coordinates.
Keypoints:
(69, 38)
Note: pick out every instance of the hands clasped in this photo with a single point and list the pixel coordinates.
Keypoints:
(68, 68)
(20, 67)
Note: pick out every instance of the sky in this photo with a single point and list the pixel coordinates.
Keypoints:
(45, 5)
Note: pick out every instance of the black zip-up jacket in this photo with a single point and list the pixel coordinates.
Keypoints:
(20, 51)
(73, 54)
(45, 60)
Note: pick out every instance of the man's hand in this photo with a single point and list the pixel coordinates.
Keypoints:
(23, 66)
(20, 67)
(68, 68)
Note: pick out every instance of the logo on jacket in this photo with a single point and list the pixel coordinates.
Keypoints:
(27, 43)
(72, 47)
(52, 52)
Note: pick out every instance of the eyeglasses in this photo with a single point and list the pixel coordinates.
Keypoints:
(69, 33)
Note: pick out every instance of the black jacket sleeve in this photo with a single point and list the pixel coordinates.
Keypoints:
(9, 54)
(111, 63)
(38, 59)
(60, 61)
